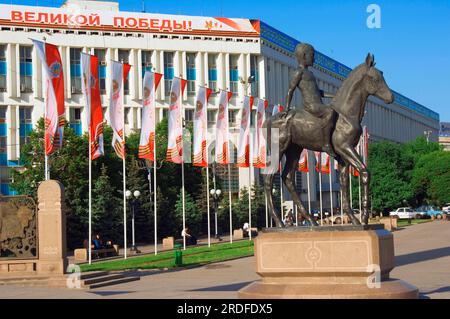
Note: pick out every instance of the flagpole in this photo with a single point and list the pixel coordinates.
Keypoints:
(155, 212)
(124, 195)
(295, 206)
(267, 211)
(250, 186)
(90, 174)
(183, 199)
(207, 204)
(229, 199)
(331, 193)
(309, 193)
(281, 196)
(216, 235)
(350, 186)
(320, 190)
(359, 196)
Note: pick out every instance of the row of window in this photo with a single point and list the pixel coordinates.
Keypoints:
(26, 70)
(24, 128)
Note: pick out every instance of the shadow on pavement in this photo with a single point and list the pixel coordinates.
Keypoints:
(110, 293)
(422, 256)
(232, 287)
(435, 291)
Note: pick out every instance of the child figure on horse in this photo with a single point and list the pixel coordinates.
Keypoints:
(305, 80)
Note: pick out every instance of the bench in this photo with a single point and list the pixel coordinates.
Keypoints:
(82, 254)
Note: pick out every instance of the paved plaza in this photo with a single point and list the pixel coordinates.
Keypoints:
(422, 258)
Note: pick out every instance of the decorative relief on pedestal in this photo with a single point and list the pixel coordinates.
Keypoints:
(18, 238)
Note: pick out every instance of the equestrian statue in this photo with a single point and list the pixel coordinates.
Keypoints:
(334, 129)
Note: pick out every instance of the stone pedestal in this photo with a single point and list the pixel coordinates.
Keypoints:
(326, 262)
(51, 229)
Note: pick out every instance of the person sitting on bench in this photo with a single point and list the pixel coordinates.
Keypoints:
(97, 242)
(190, 239)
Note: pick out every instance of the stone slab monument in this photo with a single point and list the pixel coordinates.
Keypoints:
(33, 239)
(52, 229)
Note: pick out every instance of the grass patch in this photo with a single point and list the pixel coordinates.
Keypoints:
(191, 256)
(405, 222)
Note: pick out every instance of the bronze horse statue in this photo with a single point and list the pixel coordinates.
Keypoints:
(300, 130)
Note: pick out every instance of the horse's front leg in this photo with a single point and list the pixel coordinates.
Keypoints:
(355, 160)
(350, 155)
(345, 186)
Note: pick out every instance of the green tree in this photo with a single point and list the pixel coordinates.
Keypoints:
(431, 178)
(106, 209)
(390, 179)
(192, 214)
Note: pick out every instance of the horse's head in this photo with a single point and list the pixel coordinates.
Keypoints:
(374, 81)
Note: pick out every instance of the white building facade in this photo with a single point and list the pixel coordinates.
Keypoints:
(216, 52)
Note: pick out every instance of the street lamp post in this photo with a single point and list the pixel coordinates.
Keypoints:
(136, 195)
(215, 194)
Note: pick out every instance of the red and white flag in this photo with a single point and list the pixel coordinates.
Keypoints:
(222, 129)
(54, 95)
(303, 162)
(322, 162)
(243, 155)
(175, 138)
(336, 165)
(260, 141)
(116, 111)
(201, 127)
(91, 92)
(277, 109)
(147, 140)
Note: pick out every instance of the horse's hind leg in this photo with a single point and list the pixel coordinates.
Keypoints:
(268, 183)
(290, 168)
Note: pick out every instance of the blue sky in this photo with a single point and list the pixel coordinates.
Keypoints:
(412, 47)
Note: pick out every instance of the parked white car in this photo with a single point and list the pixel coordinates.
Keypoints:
(446, 208)
(404, 213)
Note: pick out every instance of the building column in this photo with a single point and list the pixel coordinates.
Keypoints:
(262, 76)
(139, 74)
(199, 70)
(227, 71)
(17, 54)
(37, 75)
(133, 77)
(221, 78)
(183, 71)
(205, 69)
